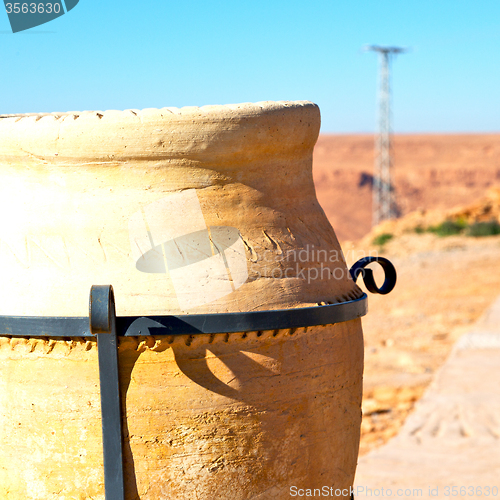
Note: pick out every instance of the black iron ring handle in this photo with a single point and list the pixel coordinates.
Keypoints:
(367, 274)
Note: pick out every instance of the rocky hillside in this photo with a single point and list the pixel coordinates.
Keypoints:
(485, 209)
(441, 291)
(442, 285)
(430, 172)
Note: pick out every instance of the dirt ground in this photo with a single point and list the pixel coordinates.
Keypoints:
(444, 285)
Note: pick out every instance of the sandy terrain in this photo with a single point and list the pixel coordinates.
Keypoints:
(448, 446)
(444, 283)
(444, 286)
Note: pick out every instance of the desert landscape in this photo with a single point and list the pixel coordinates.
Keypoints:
(430, 172)
(445, 283)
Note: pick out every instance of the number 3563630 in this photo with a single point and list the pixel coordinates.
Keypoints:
(33, 8)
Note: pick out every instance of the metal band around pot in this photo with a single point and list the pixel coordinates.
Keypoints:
(193, 324)
(103, 323)
(186, 324)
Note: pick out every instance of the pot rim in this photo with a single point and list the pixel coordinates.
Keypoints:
(219, 110)
(207, 133)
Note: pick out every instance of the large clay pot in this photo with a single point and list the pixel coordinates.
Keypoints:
(208, 209)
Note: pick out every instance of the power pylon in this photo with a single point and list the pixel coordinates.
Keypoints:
(384, 206)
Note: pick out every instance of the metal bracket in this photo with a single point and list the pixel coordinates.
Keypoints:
(103, 323)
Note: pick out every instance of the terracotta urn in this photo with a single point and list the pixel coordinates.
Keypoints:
(191, 210)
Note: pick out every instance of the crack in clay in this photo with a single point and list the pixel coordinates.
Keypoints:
(31, 155)
(273, 242)
(253, 255)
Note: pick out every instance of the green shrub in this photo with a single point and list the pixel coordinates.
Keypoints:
(489, 228)
(420, 230)
(382, 239)
(449, 228)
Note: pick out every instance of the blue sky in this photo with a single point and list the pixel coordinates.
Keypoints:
(139, 54)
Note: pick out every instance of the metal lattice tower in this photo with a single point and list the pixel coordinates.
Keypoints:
(384, 206)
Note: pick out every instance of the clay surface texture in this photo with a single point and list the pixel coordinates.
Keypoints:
(192, 210)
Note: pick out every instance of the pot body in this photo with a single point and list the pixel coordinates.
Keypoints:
(208, 209)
